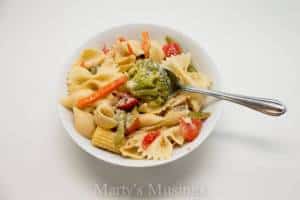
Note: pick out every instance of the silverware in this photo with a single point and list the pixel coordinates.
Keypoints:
(271, 107)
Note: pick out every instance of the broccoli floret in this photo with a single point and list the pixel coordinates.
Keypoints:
(149, 82)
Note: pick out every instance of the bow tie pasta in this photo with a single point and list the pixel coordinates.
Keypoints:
(122, 99)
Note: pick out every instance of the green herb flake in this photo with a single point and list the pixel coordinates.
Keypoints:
(199, 115)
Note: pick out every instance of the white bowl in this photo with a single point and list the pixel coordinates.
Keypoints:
(199, 58)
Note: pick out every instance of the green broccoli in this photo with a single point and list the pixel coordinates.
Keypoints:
(149, 82)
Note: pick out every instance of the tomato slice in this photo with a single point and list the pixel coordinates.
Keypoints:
(126, 102)
(149, 138)
(171, 49)
(133, 126)
(190, 128)
(197, 123)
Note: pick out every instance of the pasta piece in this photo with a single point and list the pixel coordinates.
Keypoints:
(196, 102)
(89, 84)
(149, 119)
(174, 135)
(201, 80)
(126, 62)
(121, 48)
(91, 57)
(104, 139)
(136, 47)
(122, 57)
(160, 149)
(84, 122)
(126, 67)
(178, 65)
(110, 99)
(173, 116)
(175, 100)
(156, 53)
(181, 61)
(77, 75)
(80, 78)
(104, 76)
(71, 100)
(146, 108)
(109, 60)
(107, 72)
(131, 152)
(170, 119)
(104, 115)
(132, 147)
(178, 99)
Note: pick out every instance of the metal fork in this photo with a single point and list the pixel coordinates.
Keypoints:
(267, 106)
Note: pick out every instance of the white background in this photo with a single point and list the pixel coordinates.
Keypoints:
(249, 155)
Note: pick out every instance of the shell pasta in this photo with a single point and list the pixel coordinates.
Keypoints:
(122, 97)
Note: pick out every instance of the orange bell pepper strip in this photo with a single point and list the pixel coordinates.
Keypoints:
(135, 125)
(130, 51)
(101, 92)
(146, 43)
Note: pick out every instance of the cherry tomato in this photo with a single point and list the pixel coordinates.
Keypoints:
(197, 123)
(149, 138)
(190, 128)
(171, 49)
(126, 102)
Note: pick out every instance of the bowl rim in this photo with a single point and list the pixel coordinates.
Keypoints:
(218, 112)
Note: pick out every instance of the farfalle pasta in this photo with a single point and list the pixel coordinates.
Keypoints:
(122, 100)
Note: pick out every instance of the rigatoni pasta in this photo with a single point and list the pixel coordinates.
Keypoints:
(122, 98)
(104, 139)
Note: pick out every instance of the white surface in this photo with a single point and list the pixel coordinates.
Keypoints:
(249, 156)
(108, 37)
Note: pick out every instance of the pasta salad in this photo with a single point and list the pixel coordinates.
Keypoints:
(122, 100)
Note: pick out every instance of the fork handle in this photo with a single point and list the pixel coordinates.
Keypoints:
(271, 107)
